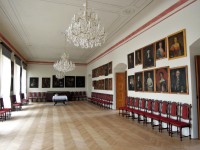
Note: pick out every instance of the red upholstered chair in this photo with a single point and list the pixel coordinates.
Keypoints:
(15, 104)
(2, 115)
(163, 115)
(148, 111)
(123, 109)
(155, 113)
(23, 99)
(7, 110)
(44, 96)
(184, 120)
(142, 109)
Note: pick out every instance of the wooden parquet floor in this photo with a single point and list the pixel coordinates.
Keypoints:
(80, 125)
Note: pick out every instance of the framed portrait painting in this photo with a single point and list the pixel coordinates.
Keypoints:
(46, 82)
(179, 80)
(110, 67)
(148, 56)
(139, 81)
(80, 81)
(131, 60)
(177, 45)
(162, 79)
(138, 57)
(57, 83)
(34, 82)
(131, 83)
(69, 81)
(106, 84)
(105, 69)
(149, 81)
(110, 84)
(161, 49)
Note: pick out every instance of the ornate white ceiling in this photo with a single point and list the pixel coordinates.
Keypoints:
(35, 27)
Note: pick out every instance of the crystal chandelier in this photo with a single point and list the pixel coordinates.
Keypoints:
(63, 66)
(85, 29)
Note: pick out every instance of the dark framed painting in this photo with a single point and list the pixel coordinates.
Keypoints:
(139, 81)
(106, 84)
(130, 60)
(34, 82)
(46, 82)
(94, 84)
(57, 83)
(162, 79)
(148, 56)
(138, 57)
(131, 83)
(110, 84)
(80, 81)
(179, 80)
(177, 44)
(149, 80)
(69, 81)
(110, 67)
(161, 49)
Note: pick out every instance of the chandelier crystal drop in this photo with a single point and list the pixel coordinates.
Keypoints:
(63, 66)
(86, 30)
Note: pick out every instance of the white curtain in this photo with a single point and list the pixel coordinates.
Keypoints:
(17, 82)
(23, 88)
(5, 80)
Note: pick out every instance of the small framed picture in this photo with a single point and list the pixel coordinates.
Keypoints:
(138, 57)
(80, 81)
(149, 81)
(161, 49)
(131, 83)
(46, 82)
(34, 82)
(139, 81)
(149, 56)
(110, 84)
(69, 81)
(162, 79)
(179, 80)
(177, 44)
(58, 83)
(131, 60)
(110, 67)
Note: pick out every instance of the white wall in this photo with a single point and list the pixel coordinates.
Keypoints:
(187, 18)
(39, 70)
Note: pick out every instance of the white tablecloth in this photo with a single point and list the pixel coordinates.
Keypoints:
(59, 98)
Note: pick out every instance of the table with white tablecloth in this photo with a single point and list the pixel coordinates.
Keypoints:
(59, 98)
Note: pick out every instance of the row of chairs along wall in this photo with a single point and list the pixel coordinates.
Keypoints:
(172, 116)
(102, 100)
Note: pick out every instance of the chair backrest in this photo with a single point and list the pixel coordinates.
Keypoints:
(22, 95)
(142, 103)
(185, 111)
(164, 107)
(156, 106)
(173, 109)
(1, 103)
(136, 103)
(13, 98)
(149, 105)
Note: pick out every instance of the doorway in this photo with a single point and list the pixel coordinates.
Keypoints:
(197, 65)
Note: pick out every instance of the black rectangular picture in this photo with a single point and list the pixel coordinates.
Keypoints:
(46, 82)
(80, 81)
(131, 60)
(149, 81)
(139, 81)
(58, 83)
(34, 82)
(69, 81)
(131, 83)
(148, 56)
(178, 80)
